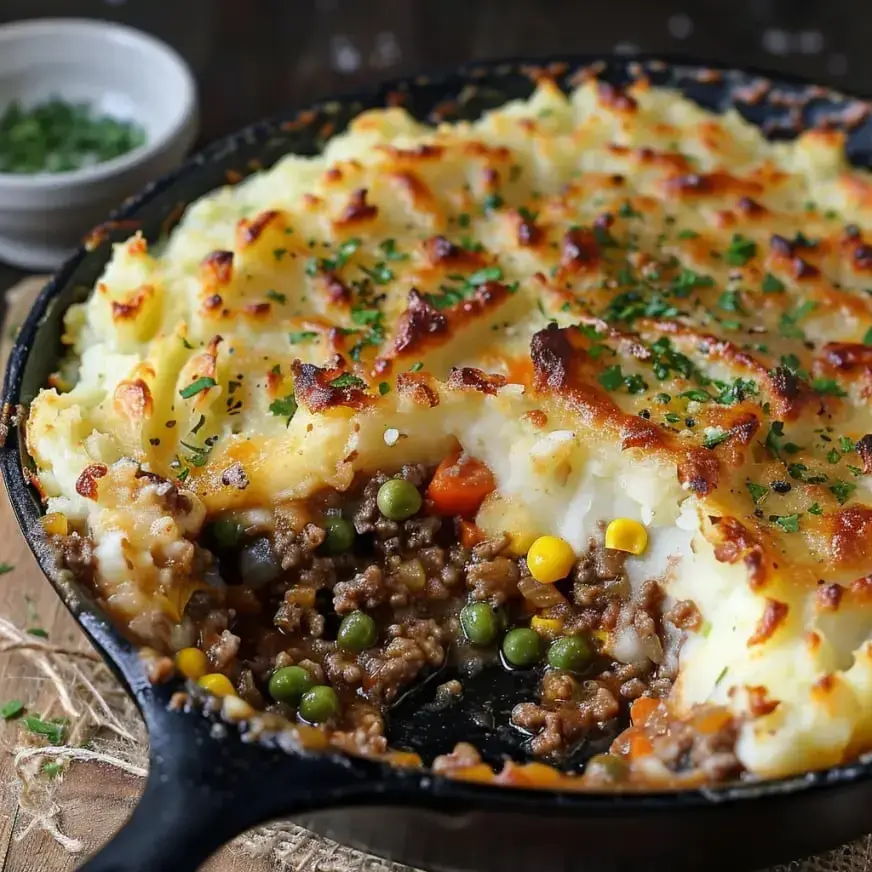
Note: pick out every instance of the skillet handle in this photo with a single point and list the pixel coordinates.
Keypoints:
(202, 791)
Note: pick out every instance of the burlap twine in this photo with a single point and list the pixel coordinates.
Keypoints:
(104, 728)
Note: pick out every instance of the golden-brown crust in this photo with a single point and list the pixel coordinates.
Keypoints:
(321, 388)
(774, 614)
(86, 484)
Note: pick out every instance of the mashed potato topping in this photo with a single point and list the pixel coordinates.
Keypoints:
(623, 305)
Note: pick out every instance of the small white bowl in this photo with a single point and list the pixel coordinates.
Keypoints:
(122, 72)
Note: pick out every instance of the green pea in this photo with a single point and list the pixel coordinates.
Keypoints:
(522, 647)
(357, 632)
(480, 623)
(319, 704)
(340, 535)
(608, 766)
(398, 499)
(571, 653)
(289, 683)
(226, 533)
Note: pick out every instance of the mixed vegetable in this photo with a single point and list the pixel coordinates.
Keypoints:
(521, 634)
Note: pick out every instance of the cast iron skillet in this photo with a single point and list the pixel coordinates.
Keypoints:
(206, 785)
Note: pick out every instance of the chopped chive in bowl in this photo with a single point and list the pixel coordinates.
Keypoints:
(58, 136)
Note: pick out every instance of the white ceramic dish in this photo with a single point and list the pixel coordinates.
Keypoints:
(121, 71)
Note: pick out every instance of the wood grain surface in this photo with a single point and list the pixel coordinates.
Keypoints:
(95, 799)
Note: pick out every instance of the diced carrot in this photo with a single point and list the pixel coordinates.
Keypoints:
(712, 721)
(459, 486)
(520, 371)
(642, 709)
(530, 775)
(640, 746)
(470, 535)
(404, 759)
(477, 772)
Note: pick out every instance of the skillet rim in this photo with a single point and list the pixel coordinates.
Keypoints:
(122, 656)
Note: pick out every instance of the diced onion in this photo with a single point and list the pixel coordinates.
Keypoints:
(541, 595)
(412, 574)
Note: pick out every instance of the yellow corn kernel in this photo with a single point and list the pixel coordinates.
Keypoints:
(301, 596)
(625, 534)
(192, 663)
(55, 524)
(519, 543)
(217, 684)
(550, 559)
(549, 628)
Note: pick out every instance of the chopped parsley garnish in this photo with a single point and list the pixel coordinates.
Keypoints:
(198, 426)
(788, 523)
(449, 297)
(187, 344)
(667, 360)
(815, 509)
(365, 316)
(324, 264)
(380, 273)
(730, 301)
(740, 250)
(788, 324)
(284, 407)
(488, 274)
(842, 490)
(6, 567)
(201, 384)
(469, 244)
(52, 770)
(688, 280)
(833, 456)
(57, 135)
(829, 387)
(300, 336)
(53, 730)
(491, 202)
(613, 378)
(347, 380)
(635, 384)
(846, 444)
(757, 491)
(737, 392)
(389, 249)
(772, 285)
(417, 366)
(630, 305)
(696, 394)
(11, 709)
(774, 440)
(463, 219)
(279, 253)
(527, 215)
(199, 453)
(688, 234)
(672, 417)
(627, 210)
(867, 339)
(714, 436)
(384, 388)
(38, 632)
(275, 295)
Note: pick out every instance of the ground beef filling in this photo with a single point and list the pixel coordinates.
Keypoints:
(286, 590)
